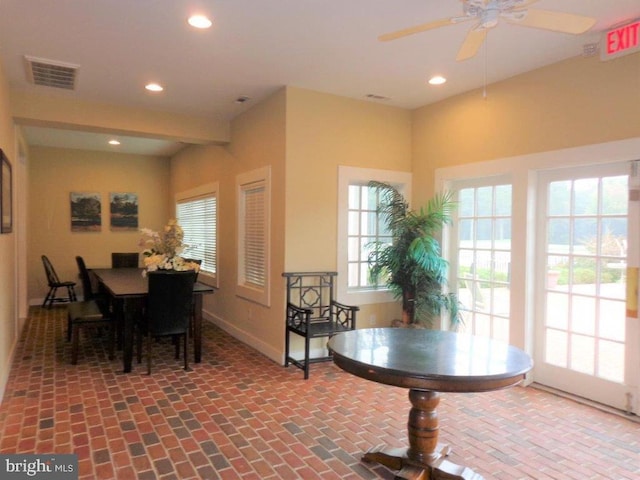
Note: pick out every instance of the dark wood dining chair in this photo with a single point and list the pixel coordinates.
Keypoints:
(93, 311)
(168, 311)
(55, 283)
(125, 260)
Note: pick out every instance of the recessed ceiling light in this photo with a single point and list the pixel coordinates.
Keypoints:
(154, 87)
(199, 21)
(437, 80)
(114, 142)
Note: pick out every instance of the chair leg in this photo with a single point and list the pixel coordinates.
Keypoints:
(112, 340)
(49, 298)
(139, 346)
(186, 351)
(72, 294)
(148, 353)
(307, 341)
(176, 342)
(74, 345)
(286, 347)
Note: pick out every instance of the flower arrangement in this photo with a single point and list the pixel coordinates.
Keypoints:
(162, 250)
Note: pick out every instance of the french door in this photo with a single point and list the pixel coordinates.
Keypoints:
(581, 342)
(482, 239)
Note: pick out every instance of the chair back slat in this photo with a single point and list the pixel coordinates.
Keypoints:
(311, 291)
(87, 287)
(52, 276)
(125, 260)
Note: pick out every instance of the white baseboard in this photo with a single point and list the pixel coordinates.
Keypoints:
(6, 370)
(245, 337)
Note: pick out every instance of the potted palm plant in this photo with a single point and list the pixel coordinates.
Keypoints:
(411, 264)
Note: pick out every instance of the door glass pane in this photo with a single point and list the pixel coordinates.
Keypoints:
(610, 357)
(559, 198)
(556, 347)
(558, 310)
(583, 350)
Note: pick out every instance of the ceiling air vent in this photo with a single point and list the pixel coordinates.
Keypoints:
(50, 73)
(373, 96)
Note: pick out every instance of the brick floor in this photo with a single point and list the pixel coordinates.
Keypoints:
(238, 415)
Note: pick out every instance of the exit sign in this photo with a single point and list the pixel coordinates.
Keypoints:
(621, 40)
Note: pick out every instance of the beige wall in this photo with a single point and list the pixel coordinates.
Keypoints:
(315, 133)
(53, 174)
(8, 303)
(323, 132)
(257, 140)
(578, 102)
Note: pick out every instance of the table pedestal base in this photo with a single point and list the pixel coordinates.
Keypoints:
(424, 459)
(441, 469)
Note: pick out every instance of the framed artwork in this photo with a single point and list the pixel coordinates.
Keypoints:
(5, 195)
(86, 212)
(124, 211)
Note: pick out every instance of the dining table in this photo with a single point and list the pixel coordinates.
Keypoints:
(128, 289)
(427, 362)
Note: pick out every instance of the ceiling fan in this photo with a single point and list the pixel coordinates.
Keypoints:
(488, 12)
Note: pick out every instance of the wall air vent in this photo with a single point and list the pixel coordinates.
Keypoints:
(51, 73)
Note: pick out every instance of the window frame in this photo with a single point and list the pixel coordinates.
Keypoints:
(207, 190)
(244, 183)
(361, 176)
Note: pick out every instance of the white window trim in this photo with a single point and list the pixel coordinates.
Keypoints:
(208, 189)
(243, 290)
(346, 176)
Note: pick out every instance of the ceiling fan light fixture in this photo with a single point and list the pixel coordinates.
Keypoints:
(437, 80)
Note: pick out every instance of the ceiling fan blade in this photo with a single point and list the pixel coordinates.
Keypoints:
(417, 29)
(471, 44)
(524, 3)
(555, 21)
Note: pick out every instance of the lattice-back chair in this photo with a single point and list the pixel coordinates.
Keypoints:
(54, 284)
(312, 312)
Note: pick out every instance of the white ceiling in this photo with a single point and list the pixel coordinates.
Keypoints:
(257, 46)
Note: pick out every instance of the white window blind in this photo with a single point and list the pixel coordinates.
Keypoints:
(254, 234)
(198, 219)
(254, 213)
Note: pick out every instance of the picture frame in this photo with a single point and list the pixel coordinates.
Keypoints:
(123, 210)
(6, 207)
(86, 211)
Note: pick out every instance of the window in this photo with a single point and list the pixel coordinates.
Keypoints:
(254, 198)
(364, 228)
(197, 214)
(358, 227)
